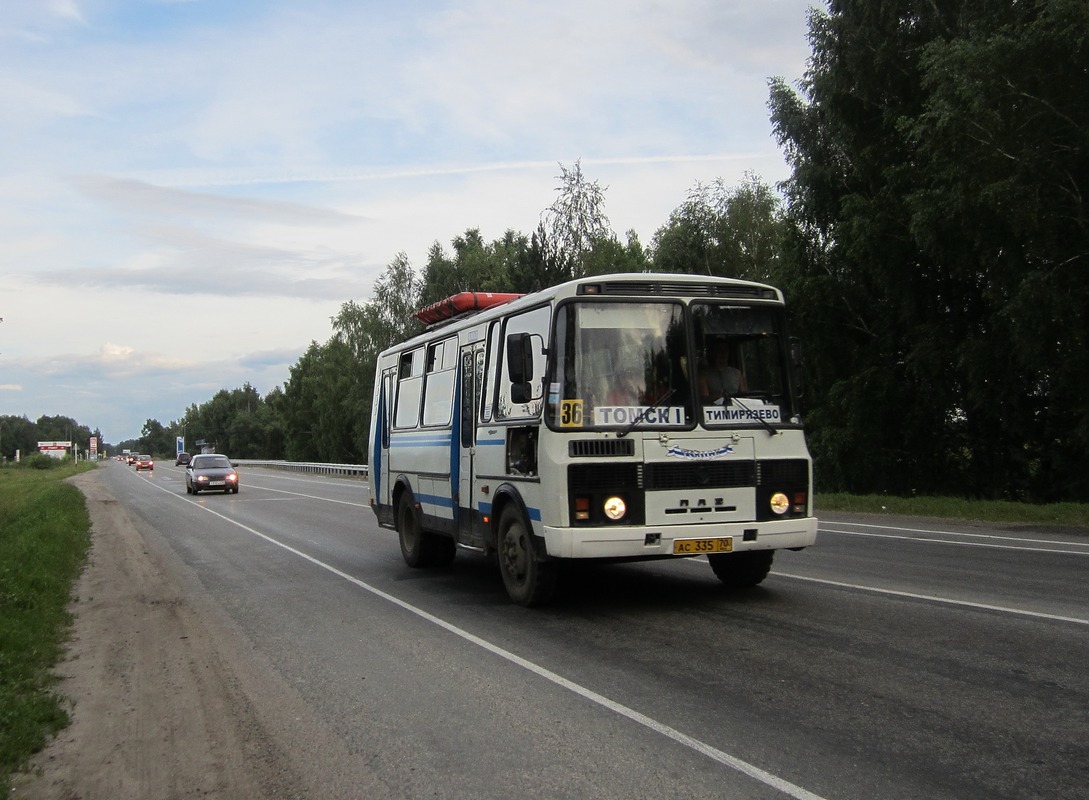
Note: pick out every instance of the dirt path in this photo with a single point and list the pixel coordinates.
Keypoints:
(168, 701)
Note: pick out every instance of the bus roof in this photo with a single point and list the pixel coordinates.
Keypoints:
(615, 285)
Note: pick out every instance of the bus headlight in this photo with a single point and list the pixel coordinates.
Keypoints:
(615, 508)
(780, 503)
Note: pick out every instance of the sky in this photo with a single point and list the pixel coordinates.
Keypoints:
(191, 189)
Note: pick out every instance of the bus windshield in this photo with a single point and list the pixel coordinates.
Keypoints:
(741, 369)
(622, 364)
(616, 361)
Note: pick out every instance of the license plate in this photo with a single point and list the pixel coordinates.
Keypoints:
(692, 547)
(216, 483)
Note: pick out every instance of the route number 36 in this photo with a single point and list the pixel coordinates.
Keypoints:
(571, 414)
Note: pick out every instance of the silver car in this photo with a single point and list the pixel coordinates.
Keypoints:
(210, 471)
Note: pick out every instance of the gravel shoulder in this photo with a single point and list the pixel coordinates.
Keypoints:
(167, 699)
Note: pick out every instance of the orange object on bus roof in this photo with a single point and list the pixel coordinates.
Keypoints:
(461, 303)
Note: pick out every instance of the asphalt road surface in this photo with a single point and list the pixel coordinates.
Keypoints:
(898, 658)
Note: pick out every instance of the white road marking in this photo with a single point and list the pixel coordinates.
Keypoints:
(309, 496)
(934, 599)
(957, 543)
(733, 762)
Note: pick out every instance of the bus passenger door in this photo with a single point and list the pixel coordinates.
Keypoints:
(471, 380)
(379, 467)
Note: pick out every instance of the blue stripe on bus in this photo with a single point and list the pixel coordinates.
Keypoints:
(491, 442)
(435, 500)
(442, 441)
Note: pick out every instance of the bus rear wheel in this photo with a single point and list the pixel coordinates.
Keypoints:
(420, 548)
(529, 581)
(742, 570)
(413, 542)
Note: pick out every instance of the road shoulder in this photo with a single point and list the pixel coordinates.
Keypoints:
(166, 699)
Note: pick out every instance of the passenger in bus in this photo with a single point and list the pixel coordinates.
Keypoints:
(719, 378)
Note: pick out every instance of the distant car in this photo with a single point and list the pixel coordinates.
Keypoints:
(182, 459)
(132, 459)
(210, 471)
(144, 462)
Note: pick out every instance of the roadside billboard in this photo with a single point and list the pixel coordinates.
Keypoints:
(54, 449)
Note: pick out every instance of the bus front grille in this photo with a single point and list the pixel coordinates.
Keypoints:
(699, 475)
(601, 448)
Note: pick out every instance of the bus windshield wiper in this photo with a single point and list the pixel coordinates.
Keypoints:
(760, 419)
(643, 414)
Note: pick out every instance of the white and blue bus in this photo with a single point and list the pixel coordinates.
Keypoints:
(618, 417)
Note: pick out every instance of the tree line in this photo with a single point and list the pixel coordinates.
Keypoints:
(18, 434)
(931, 241)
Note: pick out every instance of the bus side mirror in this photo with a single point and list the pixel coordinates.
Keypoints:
(519, 358)
(797, 373)
(519, 365)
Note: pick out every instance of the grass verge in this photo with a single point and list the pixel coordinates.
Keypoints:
(1073, 515)
(44, 539)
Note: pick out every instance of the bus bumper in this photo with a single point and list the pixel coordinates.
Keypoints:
(654, 541)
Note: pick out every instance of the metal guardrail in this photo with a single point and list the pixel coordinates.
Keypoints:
(349, 470)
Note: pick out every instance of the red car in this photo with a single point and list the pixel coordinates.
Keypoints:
(144, 462)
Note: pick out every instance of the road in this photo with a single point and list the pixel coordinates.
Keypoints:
(896, 659)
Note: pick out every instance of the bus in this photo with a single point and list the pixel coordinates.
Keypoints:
(587, 421)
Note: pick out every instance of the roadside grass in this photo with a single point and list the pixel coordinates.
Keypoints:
(1073, 515)
(44, 540)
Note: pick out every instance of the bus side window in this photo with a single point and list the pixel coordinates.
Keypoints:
(405, 368)
(439, 392)
(387, 385)
(519, 399)
(409, 389)
(487, 402)
(434, 357)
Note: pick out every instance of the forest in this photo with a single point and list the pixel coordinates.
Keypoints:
(930, 241)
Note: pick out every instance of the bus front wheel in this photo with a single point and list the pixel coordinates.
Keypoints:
(742, 570)
(529, 581)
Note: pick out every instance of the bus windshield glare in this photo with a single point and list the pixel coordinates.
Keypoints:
(620, 364)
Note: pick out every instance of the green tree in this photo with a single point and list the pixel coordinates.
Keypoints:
(1005, 132)
(155, 439)
(319, 423)
(18, 434)
(575, 221)
(727, 231)
(476, 266)
(238, 422)
(368, 329)
(540, 265)
(939, 168)
(686, 243)
(270, 416)
(609, 254)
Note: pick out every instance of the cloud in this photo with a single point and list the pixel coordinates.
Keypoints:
(182, 242)
(190, 189)
(146, 199)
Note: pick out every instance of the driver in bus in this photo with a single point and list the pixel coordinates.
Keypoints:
(719, 378)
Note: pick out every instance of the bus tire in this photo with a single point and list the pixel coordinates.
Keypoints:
(529, 580)
(742, 570)
(414, 542)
